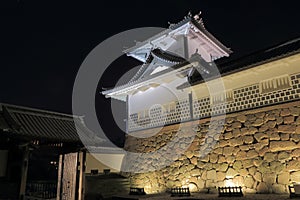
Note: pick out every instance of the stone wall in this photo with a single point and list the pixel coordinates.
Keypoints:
(257, 149)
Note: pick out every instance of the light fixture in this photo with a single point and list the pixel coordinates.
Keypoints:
(232, 191)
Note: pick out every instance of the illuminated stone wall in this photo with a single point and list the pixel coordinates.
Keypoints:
(257, 149)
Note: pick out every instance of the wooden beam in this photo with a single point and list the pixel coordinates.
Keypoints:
(59, 177)
(81, 189)
(24, 170)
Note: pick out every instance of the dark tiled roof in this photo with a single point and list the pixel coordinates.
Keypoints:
(276, 52)
(37, 124)
(3, 123)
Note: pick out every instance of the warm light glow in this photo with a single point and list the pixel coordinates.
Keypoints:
(229, 183)
(193, 187)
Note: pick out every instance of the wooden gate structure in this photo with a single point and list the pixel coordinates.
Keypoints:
(27, 133)
(71, 176)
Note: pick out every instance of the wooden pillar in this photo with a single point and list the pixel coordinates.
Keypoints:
(60, 176)
(24, 170)
(191, 105)
(81, 187)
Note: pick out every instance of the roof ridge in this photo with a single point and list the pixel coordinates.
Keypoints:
(39, 110)
(260, 51)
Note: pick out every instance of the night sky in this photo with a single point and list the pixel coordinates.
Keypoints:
(43, 43)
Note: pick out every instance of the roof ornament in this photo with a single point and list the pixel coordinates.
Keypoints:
(171, 24)
(188, 15)
(197, 16)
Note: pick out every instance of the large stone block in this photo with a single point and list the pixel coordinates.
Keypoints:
(223, 143)
(274, 136)
(264, 168)
(293, 165)
(241, 118)
(271, 124)
(243, 172)
(213, 158)
(296, 153)
(241, 155)
(244, 147)
(258, 122)
(285, 112)
(231, 173)
(236, 125)
(200, 183)
(257, 162)
(295, 111)
(211, 175)
(221, 159)
(278, 188)
(297, 131)
(248, 139)
(194, 160)
(252, 170)
(259, 136)
(237, 132)
(262, 188)
(295, 176)
(218, 150)
(277, 166)
(237, 165)
(284, 178)
(295, 137)
(242, 131)
(258, 176)
(270, 117)
(248, 163)
(284, 136)
(251, 117)
(260, 145)
(269, 178)
(287, 128)
(248, 182)
(263, 128)
(221, 176)
(279, 120)
(260, 115)
(227, 151)
(282, 146)
(238, 181)
(283, 156)
(230, 159)
(297, 121)
(228, 135)
(269, 157)
(263, 151)
(210, 184)
(189, 154)
(252, 154)
(237, 141)
(222, 167)
(288, 119)
(252, 130)
(195, 172)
